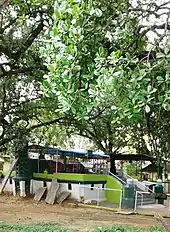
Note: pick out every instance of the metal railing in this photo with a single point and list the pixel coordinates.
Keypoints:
(117, 178)
(136, 199)
(127, 176)
(142, 198)
(138, 184)
(141, 185)
(98, 194)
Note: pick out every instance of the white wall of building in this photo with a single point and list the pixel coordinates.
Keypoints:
(78, 192)
(8, 186)
(90, 193)
(35, 185)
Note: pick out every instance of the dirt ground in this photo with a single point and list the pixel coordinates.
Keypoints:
(16, 210)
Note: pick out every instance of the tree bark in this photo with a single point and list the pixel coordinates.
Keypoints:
(112, 164)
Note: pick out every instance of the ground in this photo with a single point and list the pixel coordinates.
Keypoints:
(16, 210)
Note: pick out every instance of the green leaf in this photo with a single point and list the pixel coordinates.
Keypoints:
(160, 55)
(52, 67)
(98, 12)
(147, 109)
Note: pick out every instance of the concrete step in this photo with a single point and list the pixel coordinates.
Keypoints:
(146, 199)
(145, 203)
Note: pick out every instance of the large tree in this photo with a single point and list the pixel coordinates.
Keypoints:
(103, 67)
(23, 26)
(84, 38)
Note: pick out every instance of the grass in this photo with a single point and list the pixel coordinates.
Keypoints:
(32, 228)
(51, 227)
(129, 229)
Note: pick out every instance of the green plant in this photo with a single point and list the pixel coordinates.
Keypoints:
(128, 229)
(50, 227)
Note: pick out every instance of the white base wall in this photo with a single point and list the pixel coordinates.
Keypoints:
(89, 193)
(78, 192)
(8, 186)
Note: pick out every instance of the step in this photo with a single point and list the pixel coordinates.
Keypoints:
(146, 202)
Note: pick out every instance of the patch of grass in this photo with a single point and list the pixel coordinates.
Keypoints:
(52, 227)
(128, 229)
(31, 228)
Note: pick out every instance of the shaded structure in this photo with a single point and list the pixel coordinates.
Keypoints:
(76, 161)
(53, 160)
(133, 157)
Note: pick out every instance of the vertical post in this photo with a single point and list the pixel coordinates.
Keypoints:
(79, 192)
(38, 163)
(56, 163)
(160, 169)
(14, 187)
(141, 168)
(136, 168)
(22, 189)
(120, 202)
(65, 163)
(73, 163)
(142, 200)
(98, 196)
(23, 171)
(136, 195)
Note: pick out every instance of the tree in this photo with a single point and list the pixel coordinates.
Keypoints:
(22, 30)
(105, 74)
(79, 56)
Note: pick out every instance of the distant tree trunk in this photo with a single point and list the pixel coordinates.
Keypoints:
(112, 164)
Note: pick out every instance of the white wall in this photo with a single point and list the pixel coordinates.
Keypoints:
(35, 185)
(89, 193)
(77, 190)
(8, 187)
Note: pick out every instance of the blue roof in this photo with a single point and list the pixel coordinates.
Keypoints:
(54, 151)
(83, 153)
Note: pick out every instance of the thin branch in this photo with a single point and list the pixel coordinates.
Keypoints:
(23, 70)
(29, 41)
(57, 120)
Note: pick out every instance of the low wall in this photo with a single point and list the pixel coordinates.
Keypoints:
(80, 185)
(78, 191)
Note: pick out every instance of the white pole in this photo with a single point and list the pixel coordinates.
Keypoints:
(22, 189)
(79, 191)
(142, 200)
(98, 197)
(120, 202)
(14, 187)
(136, 200)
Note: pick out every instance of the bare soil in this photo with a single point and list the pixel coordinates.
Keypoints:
(16, 210)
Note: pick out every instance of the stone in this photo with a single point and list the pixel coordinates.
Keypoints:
(63, 196)
(40, 193)
(52, 192)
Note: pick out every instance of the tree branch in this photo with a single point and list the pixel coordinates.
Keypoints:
(22, 70)
(29, 41)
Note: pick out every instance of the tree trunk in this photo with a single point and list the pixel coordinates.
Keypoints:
(112, 164)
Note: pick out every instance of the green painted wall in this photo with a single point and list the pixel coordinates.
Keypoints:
(113, 196)
(72, 176)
